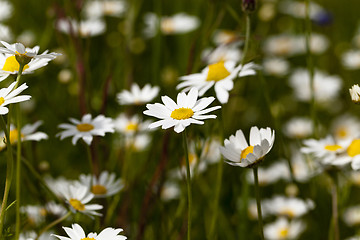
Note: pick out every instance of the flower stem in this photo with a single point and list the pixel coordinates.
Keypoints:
(89, 155)
(247, 39)
(258, 202)
(9, 175)
(52, 224)
(188, 181)
(335, 214)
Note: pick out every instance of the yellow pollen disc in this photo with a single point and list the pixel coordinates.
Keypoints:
(98, 190)
(246, 151)
(217, 72)
(283, 232)
(167, 26)
(2, 100)
(182, 113)
(43, 212)
(14, 135)
(12, 65)
(288, 212)
(88, 239)
(192, 159)
(341, 132)
(132, 127)
(76, 204)
(333, 148)
(354, 148)
(84, 127)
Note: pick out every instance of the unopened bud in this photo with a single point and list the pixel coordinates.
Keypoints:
(248, 6)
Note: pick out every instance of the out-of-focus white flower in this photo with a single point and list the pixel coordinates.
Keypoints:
(298, 9)
(287, 207)
(138, 96)
(271, 174)
(27, 37)
(267, 11)
(355, 178)
(283, 229)
(28, 133)
(351, 59)
(170, 190)
(326, 87)
(139, 142)
(353, 238)
(5, 32)
(303, 170)
(86, 28)
(225, 52)
(86, 128)
(58, 185)
(177, 24)
(276, 66)
(298, 127)
(6, 10)
(98, 9)
(222, 37)
(32, 235)
(129, 126)
(210, 151)
(238, 153)
(351, 215)
(35, 214)
(103, 186)
(345, 128)
(355, 93)
(220, 75)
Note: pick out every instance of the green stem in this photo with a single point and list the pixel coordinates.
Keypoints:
(89, 156)
(310, 66)
(335, 213)
(188, 181)
(9, 175)
(247, 39)
(18, 172)
(52, 224)
(258, 202)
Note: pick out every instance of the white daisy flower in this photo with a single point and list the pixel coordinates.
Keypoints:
(98, 9)
(287, 207)
(10, 95)
(284, 45)
(284, 229)
(58, 185)
(86, 128)
(186, 111)
(223, 36)
(35, 213)
(355, 93)
(298, 9)
(345, 128)
(225, 52)
(129, 126)
(5, 31)
(170, 190)
(86, 28)
(352, 154)
(351, 215)
(103, 186)
(276, 66)
(298, 127)
(28, 133)
(78, 197)
(32, 235)
(137, 96)
(238, 153)
(271, 174)
(351, 59)
(18, 49)
(6, 10)
(139, 142)
(178, 24)
(77, 233)
(220, 75)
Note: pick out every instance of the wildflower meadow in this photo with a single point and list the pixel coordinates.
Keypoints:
(201, 119)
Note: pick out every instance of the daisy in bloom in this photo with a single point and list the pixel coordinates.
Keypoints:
(77, 233)
(270, 175)
(289, 207)
(238, 153)
(103, 186)
(284, 229)
(220, 75)
(77, 196)
(86, 28)
(129, 126)
(223, 36)
(97, 9)
(10, 55)
(186, 111)
(170, 190)
(298, 127)
(351, 216)
(225, 52)
(355, 93)
(86, 128)
(276, 66)
(10, 95)
(28, 133)
(351, 59)
(137, 96)
(6, 10)
(345, 128)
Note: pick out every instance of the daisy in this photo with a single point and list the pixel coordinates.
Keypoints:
(351, 215)
(170, 190)
(239, 153)
(225, 52)
(137, 96)
(129, 126)
(223, 36)
(298, 127)
(103, 186)
(77, 196)
(355, 93)
(19, 50)
(284, 229)
(86, 128)
(6, 10)
(289, 207)
(97, 9)
(28, 133)
(139, 142)
(10, 95)
(276, 66)
(77, 233)
(186, 111)
(351, 59)
(271, 174)
(5, 31)
(86, 28)
(220, 75)
(345, 128)
(298, 9)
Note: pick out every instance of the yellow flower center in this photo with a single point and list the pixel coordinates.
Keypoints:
(43, 212)
(88, 239)
(288, 212)
(332, 148)
(354, 148)
(12, 65)
(132, 127)
(167, 26)
(283, 232)
(2, 100)
(76, 204)
(98, 190)
(14, 136)
(246, 151)
(217, 72)
(84, 127)
(342, 132)
(182, 113)
(192, 159)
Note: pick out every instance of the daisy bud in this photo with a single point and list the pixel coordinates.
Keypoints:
(355, 93)
(248, 6)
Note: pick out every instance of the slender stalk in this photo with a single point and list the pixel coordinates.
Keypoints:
(247, 39)
(335, 213)
(258, 202)
(89, 155)
(52, 224)
(188, 181)
(9, 175)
